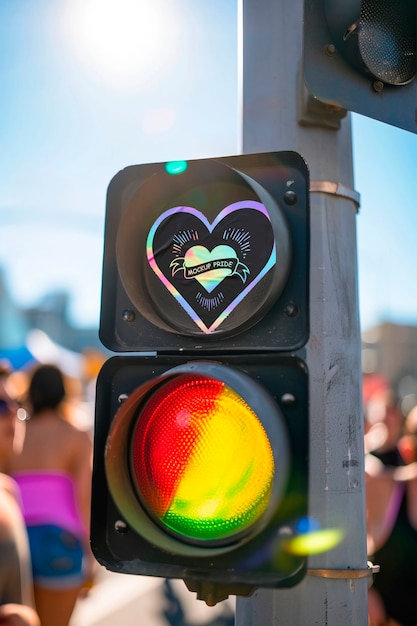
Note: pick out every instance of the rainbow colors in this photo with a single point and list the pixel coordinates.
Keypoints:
(202, 460)
(235, 206)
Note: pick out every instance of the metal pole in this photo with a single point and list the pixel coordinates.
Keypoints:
(275, 116)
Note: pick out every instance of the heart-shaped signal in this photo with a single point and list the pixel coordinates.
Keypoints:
(210, 268)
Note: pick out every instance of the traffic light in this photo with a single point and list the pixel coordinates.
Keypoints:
(202, 252)
(361, 55)
(201, 441)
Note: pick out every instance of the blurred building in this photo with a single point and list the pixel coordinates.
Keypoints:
(44, 334)
(13, 324)
(50, 315)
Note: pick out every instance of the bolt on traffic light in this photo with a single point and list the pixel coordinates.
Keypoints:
(361, 55)
(201, 445)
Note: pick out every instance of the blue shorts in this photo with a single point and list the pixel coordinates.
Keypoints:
(57, 557)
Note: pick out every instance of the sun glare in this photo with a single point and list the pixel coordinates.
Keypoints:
(124, 43)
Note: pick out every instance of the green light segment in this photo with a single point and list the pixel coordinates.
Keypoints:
(202, 460)
(175, 167)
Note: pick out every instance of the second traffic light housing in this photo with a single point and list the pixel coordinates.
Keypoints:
(361, 55)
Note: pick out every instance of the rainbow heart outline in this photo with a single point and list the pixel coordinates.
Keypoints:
(236, 206)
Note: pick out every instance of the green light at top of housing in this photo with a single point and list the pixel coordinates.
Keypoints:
(175, 167)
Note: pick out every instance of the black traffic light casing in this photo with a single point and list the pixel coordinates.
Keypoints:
(148, 301)
(361, 55)
(266, 560)
(206, 273)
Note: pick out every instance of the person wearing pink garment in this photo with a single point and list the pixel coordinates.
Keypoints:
(53, 472)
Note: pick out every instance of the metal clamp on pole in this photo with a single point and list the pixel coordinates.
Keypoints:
(335, 189)
(346, 573)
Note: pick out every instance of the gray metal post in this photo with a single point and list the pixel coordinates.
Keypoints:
(272, 104)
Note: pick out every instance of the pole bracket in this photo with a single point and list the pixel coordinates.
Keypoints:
(345, 574)
(335, 189)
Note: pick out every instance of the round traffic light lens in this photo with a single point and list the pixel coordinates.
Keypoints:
(201, 460)
(387, 40)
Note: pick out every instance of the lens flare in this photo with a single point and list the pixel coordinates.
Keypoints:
(314, 542)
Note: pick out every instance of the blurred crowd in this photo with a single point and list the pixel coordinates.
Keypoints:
(391, 496)
(46, 428)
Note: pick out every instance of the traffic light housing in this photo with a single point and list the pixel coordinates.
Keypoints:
(216, 498)
(201, 441)
(202, 252)
(361, 55)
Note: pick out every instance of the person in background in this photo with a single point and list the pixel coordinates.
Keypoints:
(53, 472)
(391, 495)
(408, 442)
(16, 595)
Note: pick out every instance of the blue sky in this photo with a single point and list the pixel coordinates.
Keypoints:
(70, 119)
